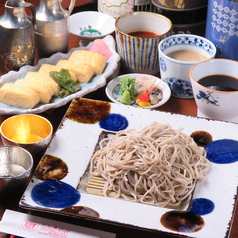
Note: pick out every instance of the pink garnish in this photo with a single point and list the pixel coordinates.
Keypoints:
(100, 47)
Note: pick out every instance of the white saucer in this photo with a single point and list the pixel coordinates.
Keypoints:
(114, 97)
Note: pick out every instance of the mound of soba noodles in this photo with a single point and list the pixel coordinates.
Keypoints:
(156, 166)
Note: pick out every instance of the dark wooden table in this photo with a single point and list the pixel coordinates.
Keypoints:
(174, 105)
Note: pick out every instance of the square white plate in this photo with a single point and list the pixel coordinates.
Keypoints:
(75, 142)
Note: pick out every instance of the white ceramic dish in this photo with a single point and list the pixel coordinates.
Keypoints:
(220, 187)
(95, 83)
(91, 25)
(114, 95)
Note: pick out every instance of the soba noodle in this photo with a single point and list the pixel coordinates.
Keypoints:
(156, 166)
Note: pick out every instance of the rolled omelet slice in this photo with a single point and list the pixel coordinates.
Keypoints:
(47, 68)
(93, 59)
(65, 64)
(44, 92)
(82, 73)
(43, 78)
(19, 96)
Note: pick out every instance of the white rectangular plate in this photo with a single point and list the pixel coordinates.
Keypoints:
(74, 143)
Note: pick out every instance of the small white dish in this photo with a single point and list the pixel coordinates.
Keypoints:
(91, 25)
(114, 95)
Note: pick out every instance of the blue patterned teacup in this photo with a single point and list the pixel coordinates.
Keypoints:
(174, 69)
(216, 98)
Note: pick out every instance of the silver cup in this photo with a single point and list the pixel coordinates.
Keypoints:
(15, 169)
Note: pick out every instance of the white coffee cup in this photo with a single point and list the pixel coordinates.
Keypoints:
(139, 53)
(175, 71)
(212, 101)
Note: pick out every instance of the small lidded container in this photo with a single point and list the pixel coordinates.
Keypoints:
(188, 17)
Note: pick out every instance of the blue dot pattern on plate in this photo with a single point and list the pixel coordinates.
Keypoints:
(55, 194)
(202, 206)
(114, 122)
(179, 87)
(223, 151)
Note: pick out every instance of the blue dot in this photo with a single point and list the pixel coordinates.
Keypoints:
(202, 206)
(223, 151)
(55, 194)
(114, 122)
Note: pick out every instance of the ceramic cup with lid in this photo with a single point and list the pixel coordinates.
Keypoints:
(215, 88)
(187, 22)
(181, 5)
(177, 54)
(138, 35)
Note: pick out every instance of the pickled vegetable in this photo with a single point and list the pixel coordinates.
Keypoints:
(129, 87)
(63, 78)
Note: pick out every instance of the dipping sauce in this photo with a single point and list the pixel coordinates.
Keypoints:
(182, 221)
(88, 111)
(202, 138)
(143, 34)
(51, 168)
(186, 55)
(81, 211)
(220, 82)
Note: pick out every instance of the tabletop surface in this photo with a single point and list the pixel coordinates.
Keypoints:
(174, 105)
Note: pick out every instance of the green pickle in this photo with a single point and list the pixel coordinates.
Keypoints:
(128, 89)
(126, 97)
(62, 92)
(67, 85)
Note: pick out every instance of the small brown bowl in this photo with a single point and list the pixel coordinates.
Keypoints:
(29, 131)
(183, 5)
